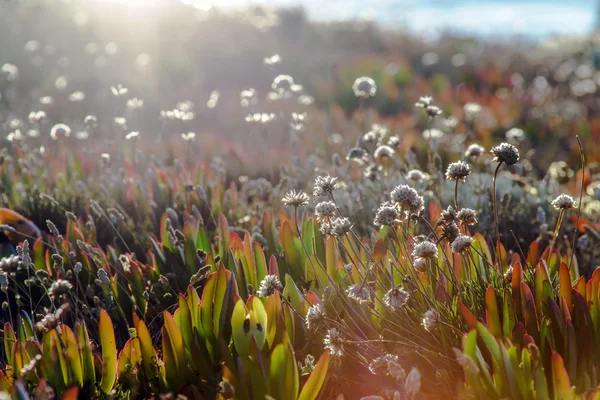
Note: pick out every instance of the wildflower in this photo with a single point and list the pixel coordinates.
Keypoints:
(282, 83)
(189, 136)
(412, 385)
(37, 117)
(269, 285)
(295, 199)
(364, 87)
(359, 293)
(458, 171)
(77, 96)
(472, 111)
(461, 243)
(383, 152)
(448, 215)
(433, 111)
(125, 262)
(386, 214)
(451, 231)
(429, 320)
(132, 135)
(403, 194)
(324, 211)
(425, 250)
(424, 101)
(340, 226)
(379, 365)
(563, 202)
(324, 186)
(506, 153)
(135, 103)
(393, 141)
(467, 216)
(334, 342)
(103, 276)
(91, 121)
(515, 135)
(119, 90)
(10, 264)
(314, 316)
(432, 134)
(77, 267)
(52, 228)
(59, 287)
(357, 153)
(451, 122)
(396, 297)
(60, 130)
(416, 175)
(51, 321)
(273, 60)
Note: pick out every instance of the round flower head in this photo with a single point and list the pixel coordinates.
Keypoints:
(425, 250)
(433, 111)
(295, 199)
(314, 316)
(364, 87)
(563, 202)
(334, 342)
(379, 365)
(396, 297)
(467, 216)
(359, 293)
(282, 83)
(324, 211)
(461, 243)
(474, 151)
(403, 195)
(268, 286)
(59, 287)
(472, 111)
(424, 101)
(416, 175)
(340, 226)
(324, 186)
(429, 320)
(458, 171)
(393, 141)
(357, 153)
(506, 153)
(451, 231)
(60, 130)
(515, 135)
(383, 152)
(386, 214)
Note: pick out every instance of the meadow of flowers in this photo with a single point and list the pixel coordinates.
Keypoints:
(422, 225)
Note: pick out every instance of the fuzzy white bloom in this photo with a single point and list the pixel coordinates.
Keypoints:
(383, 152)
(432, 134)
(324, 186)
(416, 175)
(295, 199)
(563, 202)
(364, 87)
(458, 171)
(474, 151)
(314, 316)
(515, 135)
(403, 195)
(429, 320)
(472, 111)
(269, 285)
(467, 216)
(340, 226)
(60, 130)
(386, 214)
(59, 287)
(359, 293)
(324, 211)
(424, 101)
(282, 83)
(334, 342)
(461, 243)
(396, 297)
(425, 250)
(506, 153)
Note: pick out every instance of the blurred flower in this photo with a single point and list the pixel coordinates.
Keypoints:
(340, 226)
(60, 130)
(282, 83)
(472, 111)
(424, 102)
(563, 202)
(515, 135)
(119, 90)
(364, 87)
(429, 320)
(273, 60)
(59, 287)
(412, 385)
(474, 151)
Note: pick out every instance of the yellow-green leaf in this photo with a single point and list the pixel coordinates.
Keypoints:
(109, 352)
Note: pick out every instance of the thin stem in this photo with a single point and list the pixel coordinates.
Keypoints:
(494, 203)
(558, 224)
(456, 196)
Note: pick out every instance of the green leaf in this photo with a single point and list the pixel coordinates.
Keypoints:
(72, 354)
(85, 353)
(109, 352)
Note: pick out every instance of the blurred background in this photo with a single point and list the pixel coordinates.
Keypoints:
(529, 64)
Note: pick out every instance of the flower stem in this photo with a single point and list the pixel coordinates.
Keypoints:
(558, 224)
(494, 202)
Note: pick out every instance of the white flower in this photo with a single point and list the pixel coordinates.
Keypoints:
(364, 87)
(474, 151)
(515, 135)
(429, 320)
(359, 293)
(295, 199)
(324, 186)
(506, 153)
(425, 250)
(269, 285)
(472, 111)
(314, 316)
(461, 243)
(334, 342)
(563, 202)
(386, 214)
(396, 297)
(458, 171)
(60, 130)
(324, 211)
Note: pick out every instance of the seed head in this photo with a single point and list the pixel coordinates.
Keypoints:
(340, 226)
(429, 320)
(461, 243)
(268, 286)
(324, 186)
(451, 231)
(416, 175)
(467, 216)
(334, 342)
(563, 202)
(295, 199)
(506, 153)
(364, 87)
(324, 211)
(359, 293)
(386, 214)
(59, 287)
(458, 171)
(396, 297)
(474, 151)
(425, 250)
(314, 316)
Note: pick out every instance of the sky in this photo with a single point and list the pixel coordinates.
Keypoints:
(533, 18)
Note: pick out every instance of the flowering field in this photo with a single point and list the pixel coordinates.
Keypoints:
(337, 213)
